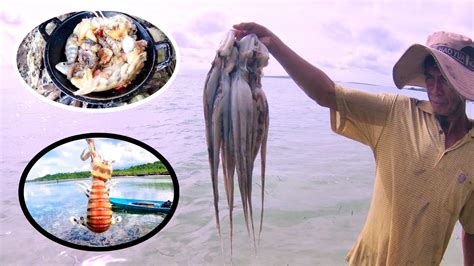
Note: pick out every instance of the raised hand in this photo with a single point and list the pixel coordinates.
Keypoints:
(264, 35)
(314, 82)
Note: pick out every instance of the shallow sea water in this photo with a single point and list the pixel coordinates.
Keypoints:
(317, 193)
(51, 205)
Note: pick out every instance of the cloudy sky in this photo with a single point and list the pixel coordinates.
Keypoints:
(65, 158)
(350, 40)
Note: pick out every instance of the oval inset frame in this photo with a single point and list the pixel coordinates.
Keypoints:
(153, 232)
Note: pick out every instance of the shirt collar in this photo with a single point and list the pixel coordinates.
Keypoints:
(426, 107)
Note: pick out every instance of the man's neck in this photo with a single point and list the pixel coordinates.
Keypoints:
(455, 127)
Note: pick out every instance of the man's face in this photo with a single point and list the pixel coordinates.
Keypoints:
(444, 99)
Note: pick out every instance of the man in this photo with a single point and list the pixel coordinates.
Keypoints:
(424, 151)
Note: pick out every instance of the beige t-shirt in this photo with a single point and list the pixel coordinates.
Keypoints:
(421, 189)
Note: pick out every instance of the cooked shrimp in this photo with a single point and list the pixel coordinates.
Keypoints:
(72, 48)
(90, 45)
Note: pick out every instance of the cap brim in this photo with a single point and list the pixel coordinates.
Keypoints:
(409, 70)
(459, 76)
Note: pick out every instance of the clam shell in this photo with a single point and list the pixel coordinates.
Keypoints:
(128, 44)
(62, 67)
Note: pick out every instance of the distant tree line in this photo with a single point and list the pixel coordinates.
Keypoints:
(155, 168)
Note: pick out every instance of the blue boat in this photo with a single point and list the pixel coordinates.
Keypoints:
(137, 205)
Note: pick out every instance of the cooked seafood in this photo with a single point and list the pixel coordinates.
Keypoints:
(237, 120)
(105, 55)
(103, 45)
(87, 58)
(72, 48)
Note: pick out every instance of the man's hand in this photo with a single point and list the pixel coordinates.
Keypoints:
(314, 82)
(263, 34)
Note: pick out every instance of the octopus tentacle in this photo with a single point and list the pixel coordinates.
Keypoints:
(216, 129)
(236, 118)
(242, 111)
(228, 159)
(210, 91)
(261, 139)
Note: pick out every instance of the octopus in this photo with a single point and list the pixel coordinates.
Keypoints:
(103, 54)
(237, 120)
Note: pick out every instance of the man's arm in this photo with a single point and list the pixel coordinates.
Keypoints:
(314, 82)
(468, 248)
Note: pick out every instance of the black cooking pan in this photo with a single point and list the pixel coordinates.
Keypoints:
(54, 54)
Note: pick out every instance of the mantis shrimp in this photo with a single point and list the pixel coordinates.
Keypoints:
(99, 209)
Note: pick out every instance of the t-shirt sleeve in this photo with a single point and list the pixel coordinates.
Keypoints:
(467, 215)
(361, 115)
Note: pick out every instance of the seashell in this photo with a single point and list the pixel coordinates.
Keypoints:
(128, 44)
(62, 67)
